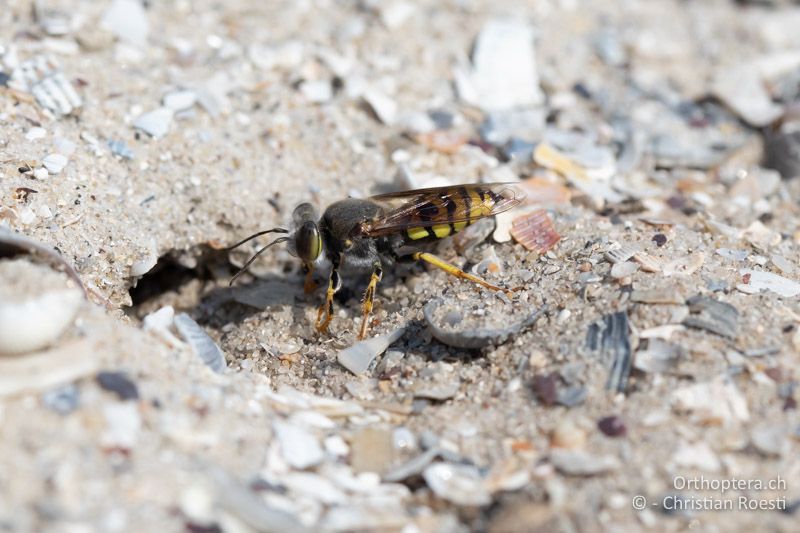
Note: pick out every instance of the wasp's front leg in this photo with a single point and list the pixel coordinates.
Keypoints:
(325, 313)
(309, 285)
(369, 298)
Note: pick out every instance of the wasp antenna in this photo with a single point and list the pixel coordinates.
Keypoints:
(254, 235)
(250, 261)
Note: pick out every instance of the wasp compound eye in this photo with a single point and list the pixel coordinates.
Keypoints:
(303, 213)
(307, 242)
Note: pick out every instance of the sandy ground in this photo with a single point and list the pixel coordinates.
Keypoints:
(676, 262)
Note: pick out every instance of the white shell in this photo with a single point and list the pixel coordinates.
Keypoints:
(180, 100)
(55, 163)
(460, 484)
(768, 281)
(623, 269)
(299, 447)
(359, 356)
(155, 123)
(35, 323)
(48, 369)
(202, 345)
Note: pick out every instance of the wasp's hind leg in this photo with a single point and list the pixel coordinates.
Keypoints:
(369, 298)
(325, 313)
(457, 272)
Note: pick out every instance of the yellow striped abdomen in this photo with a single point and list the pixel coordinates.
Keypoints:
(452, 212)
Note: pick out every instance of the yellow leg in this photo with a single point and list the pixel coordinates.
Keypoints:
(457, 272)
(325, 313)
(369, 299)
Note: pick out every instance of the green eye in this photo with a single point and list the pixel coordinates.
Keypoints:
(308, 242)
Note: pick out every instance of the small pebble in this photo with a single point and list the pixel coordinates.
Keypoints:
(546, 388)
(567, 435)
(62, 400)
(119, 384)
(612, 426)
(660, 239)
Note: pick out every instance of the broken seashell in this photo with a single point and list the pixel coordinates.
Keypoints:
(34, 323)
(714, 316)
(359, 356)
(490, 263)
(535, 231)
(756, 281)
(457, 483)
(299, 447)
(623, 270)
(504, 220)
(760, 236)
(42, 77)
(548, 157)
(474, 338)
(714, 402)
(684, 266)
(782, 264)
(698, 455)
(648, 263)
(660, 356)
(611, 338)
(661, 332)
(657, 296)
(202, 345)
(620, 254)
(444, 141)
(581, 463)
(542, 192)
(37, 305)
(44, 370)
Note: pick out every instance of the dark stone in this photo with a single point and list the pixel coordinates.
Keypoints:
(782, 153)
(612, 426)
(119, 384)
(546, 388)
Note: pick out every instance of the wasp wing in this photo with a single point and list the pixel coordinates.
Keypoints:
(453, 206)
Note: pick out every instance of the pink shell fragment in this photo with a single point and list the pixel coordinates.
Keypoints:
(535, 231)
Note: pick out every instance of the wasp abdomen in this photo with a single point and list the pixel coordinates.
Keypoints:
(472, 204)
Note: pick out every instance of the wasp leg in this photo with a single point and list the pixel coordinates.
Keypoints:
(369, 298)
(457, 272)
(309, 285)
(325, 313)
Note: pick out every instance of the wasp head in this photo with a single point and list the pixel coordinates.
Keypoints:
(306, 240)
